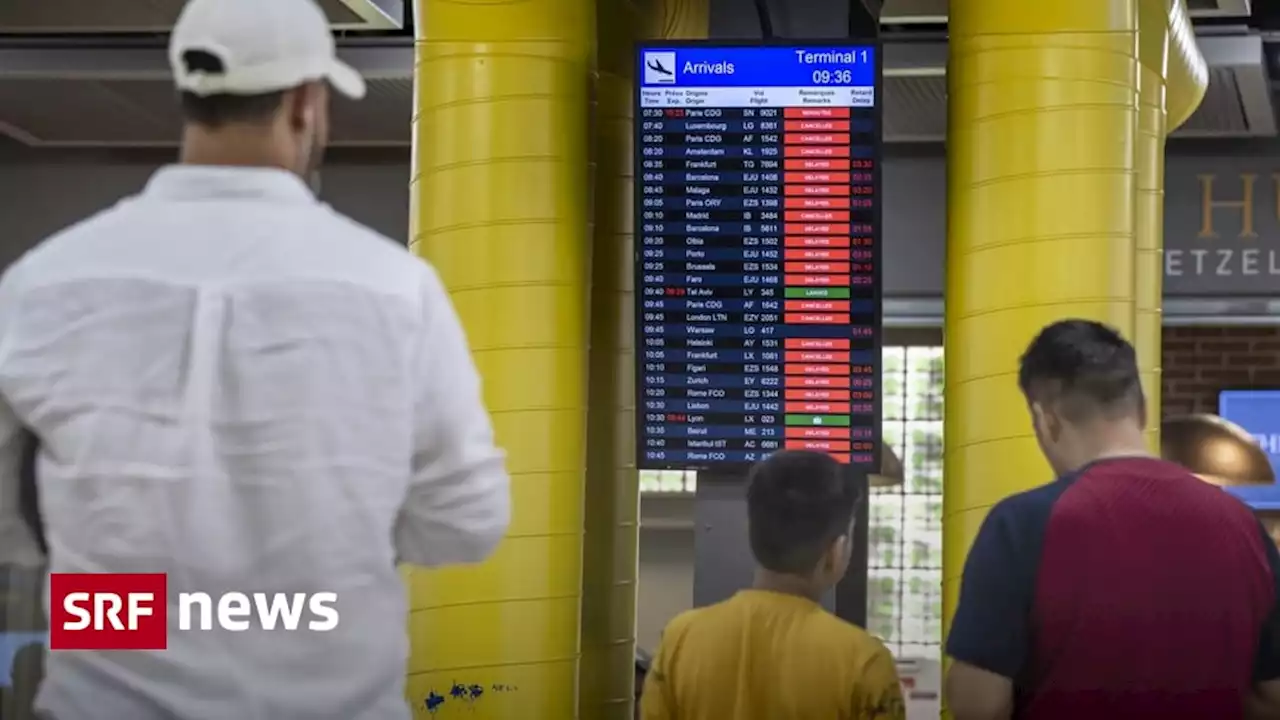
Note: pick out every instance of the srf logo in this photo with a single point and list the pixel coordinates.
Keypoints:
(108, 611)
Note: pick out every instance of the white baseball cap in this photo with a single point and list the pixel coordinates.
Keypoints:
(261, 46)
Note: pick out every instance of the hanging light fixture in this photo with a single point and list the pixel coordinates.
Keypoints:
(1216, 450)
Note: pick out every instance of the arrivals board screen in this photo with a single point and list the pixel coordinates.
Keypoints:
(757, 263)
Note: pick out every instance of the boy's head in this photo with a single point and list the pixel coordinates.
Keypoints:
(800, 515)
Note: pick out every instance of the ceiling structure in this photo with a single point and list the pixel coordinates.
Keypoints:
(105, 16)
(54, 78)
(117, 16)
(909, 12)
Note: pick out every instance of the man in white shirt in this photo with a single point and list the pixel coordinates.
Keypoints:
(235, 385)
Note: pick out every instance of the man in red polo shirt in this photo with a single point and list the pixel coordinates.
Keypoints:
(1127, 588)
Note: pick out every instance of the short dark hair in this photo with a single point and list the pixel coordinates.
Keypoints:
(798, 503)
(216, 111)
(1083, 367)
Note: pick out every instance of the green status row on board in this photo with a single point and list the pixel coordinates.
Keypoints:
(826, 420)
(830, 293)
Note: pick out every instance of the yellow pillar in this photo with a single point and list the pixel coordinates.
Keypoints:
(1148, 261)
(1187, 72)
(680, 19)
(1172, 81)
(499, 204)
(611, 551)
(1040, 196)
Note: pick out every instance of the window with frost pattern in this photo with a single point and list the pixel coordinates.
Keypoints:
(904, 584)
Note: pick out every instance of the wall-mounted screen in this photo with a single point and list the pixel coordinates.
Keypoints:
(757, 262)
(1258, 412)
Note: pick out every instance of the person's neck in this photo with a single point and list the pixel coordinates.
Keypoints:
(785, 584)
(1109, 441)
(230, 147)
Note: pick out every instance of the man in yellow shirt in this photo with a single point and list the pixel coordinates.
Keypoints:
(772, 652)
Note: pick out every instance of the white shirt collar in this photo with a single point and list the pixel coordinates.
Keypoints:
(207, 182)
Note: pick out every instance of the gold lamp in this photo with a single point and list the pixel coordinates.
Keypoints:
(891, 472)
(1216, 450)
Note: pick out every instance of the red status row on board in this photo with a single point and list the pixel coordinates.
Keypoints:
(817, 177)
(823, 267)
(815, 241)
(815, 318)
(824, 190)
(817, 344)
(824, 369)
(816, 203)
(841, 126)
(818, 356)
(815, 164)
(816, 113)
(817, 280)
(819, 228)
(804, 216)
(818, 407)
(824, 432)
(827, 163)
(816, 394)
(792, 138)
(817, 151)
(821, 254)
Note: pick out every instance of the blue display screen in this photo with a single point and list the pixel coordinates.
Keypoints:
(1258, 412)
(702, 66)
(757, 254)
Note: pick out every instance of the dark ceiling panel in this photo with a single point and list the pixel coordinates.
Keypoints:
(144, 113)
(60, 16)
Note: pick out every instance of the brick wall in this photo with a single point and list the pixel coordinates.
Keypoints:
(1200, 361)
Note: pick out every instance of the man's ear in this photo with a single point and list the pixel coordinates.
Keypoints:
(301, 105)
(839, 548)
(1045, 420)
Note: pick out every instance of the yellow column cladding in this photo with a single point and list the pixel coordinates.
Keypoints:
(1153, 56)
(1187, 73)
(611, 549)
(1040, 196)
(679, 19)
(1173, 79)
(499, 204)
(611, 552)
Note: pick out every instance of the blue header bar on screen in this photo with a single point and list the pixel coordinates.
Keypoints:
(759, 66)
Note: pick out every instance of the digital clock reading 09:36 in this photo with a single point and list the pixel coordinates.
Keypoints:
(832, 77)
(757, 276)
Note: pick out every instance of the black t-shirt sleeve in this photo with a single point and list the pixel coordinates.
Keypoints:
(991, 626)
(1266, 665)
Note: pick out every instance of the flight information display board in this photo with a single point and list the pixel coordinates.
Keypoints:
(757, 260)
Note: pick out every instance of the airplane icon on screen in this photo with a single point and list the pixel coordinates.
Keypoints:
(659, 68)
(656, 66)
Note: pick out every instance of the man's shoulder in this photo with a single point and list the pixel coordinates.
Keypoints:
(1145, 482)
(1029, 508)
(386, 257)
(351, 230)
(102, 221)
